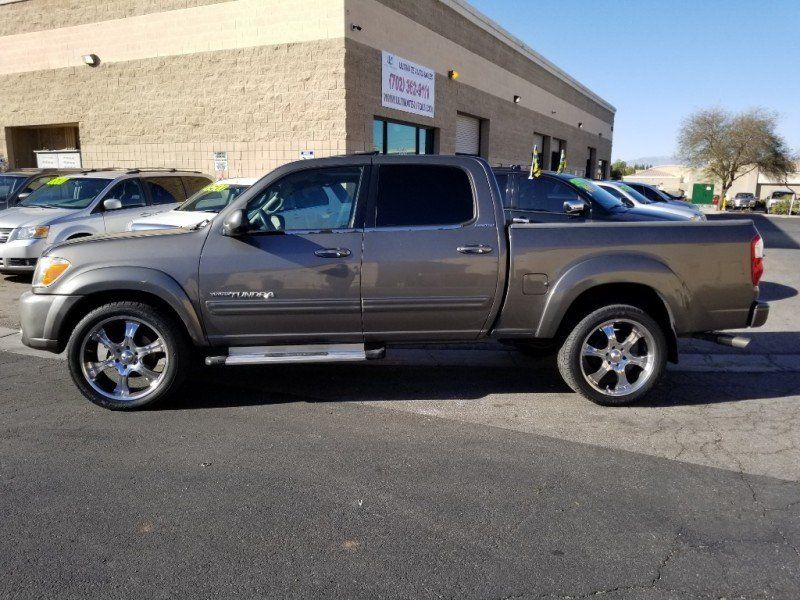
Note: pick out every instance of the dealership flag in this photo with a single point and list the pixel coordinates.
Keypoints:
(536, 169)
(562, 166)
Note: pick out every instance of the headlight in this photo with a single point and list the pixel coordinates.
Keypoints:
(48, 270)
(34, 232)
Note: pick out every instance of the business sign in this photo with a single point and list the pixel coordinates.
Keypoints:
(58, 159)
(408, 86)
(306, 154)
(220, 161)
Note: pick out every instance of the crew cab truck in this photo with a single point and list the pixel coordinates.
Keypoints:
(332, 260)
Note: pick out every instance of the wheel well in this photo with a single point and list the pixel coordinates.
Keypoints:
(79, 235)
(638, 295)
(92, 301)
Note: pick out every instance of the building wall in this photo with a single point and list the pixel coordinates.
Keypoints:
(484, 89)
(260, 79)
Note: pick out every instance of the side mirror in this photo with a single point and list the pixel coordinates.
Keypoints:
(112, 204)
(236, 224)
(22, 195)
(575, 207)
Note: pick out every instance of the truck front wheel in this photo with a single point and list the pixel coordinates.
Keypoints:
(127, 355)
(614, 356)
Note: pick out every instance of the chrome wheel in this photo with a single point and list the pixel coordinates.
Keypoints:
(618, 357)
(124, 358)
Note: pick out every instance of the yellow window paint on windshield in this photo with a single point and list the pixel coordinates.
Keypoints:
(216, 187)
(583, 184)
(58, 180)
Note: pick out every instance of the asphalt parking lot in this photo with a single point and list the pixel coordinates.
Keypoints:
(438, 473)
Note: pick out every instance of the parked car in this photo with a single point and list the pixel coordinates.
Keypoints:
(776, 197)
(742, 201)
(84, 204)
(561, 198)
(633, 199)
(201, 207)
(15, 186)
(331, 260)
(654, 194)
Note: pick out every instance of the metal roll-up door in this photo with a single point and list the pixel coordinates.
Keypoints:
(468, 135)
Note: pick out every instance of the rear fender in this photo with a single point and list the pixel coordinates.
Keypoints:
(614, 269)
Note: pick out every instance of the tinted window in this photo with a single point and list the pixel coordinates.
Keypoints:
(166, 190)
(64, 192)
(8, 185)
(314, 199)
(194, 184)
(419, 195)
(129, 192)
(544, 194)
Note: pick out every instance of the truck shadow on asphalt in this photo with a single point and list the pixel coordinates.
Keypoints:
(772, 292)
(246, 386)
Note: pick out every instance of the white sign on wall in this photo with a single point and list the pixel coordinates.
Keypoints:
(306, 154)
(408, 86)
(220, 161)
(58, 159)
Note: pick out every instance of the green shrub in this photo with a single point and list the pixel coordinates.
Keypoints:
(782, 207)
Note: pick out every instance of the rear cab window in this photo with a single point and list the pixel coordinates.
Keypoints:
(423, 196)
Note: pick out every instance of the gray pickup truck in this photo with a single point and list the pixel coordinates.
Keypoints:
(334, 259)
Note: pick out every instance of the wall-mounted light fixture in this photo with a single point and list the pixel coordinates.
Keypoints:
(453, 74)
(517, 99)
(355, 27)
(580, 125)
(91, 59)
(552, 112)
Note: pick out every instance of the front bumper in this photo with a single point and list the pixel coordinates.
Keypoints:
(759, 313)
(42, 316)
(20, 256)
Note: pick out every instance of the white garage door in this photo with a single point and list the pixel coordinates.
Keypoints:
(468, 135)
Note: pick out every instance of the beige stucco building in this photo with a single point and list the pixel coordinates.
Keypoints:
(264, 82)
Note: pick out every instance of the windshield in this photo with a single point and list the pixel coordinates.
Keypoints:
(64, 192)
(781, 194)
(213, 198)
(741, 195)
(8, 185)
(598, 194)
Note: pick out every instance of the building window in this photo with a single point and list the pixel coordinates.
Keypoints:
(392, 137)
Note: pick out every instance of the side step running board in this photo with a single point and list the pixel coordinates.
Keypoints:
(320, 353)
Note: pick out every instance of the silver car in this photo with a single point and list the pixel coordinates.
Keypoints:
(742, 201)
(632, 198)
(84, 204)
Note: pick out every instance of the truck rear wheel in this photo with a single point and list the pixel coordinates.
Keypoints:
(127, 355)
(614, 356)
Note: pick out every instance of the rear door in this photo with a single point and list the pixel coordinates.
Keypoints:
(166, 193)
(431, 256)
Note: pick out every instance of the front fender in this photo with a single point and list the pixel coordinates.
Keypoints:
(137, 279)
(614, 269)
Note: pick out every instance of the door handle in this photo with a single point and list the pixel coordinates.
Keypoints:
(475, 249)
(332, 252)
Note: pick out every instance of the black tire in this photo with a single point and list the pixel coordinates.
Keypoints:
(177, 353)
(571, 360)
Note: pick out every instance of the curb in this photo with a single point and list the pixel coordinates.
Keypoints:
(11, 342)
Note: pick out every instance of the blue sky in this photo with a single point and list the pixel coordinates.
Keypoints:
(657, 61)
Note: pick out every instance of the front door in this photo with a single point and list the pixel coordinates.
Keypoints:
(296, 276)
(431, 260)
(134, 204)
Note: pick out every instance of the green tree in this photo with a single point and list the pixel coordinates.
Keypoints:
(728, 146)
(619, 168)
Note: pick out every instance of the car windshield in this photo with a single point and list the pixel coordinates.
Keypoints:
(781, 194)
(67, 192)
(741, 195)
(596, 193)
(9, 184)
(213, 198)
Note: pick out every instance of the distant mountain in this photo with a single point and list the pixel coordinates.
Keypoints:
(656, 161)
